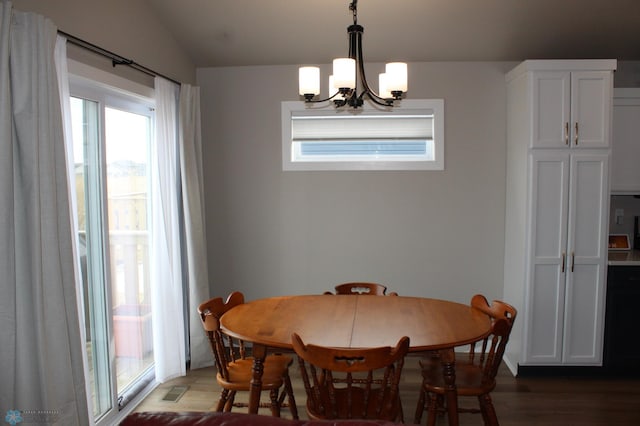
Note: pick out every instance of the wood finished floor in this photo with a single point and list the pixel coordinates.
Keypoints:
(563, 401)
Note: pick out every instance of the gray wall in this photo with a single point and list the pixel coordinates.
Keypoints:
(423, 233)
(627, 74)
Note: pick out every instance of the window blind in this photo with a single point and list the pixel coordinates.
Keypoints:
(372, 127)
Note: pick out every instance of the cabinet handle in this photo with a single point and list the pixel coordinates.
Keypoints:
(576, 135)
(566, 133)
(564, 255)
(573, 260)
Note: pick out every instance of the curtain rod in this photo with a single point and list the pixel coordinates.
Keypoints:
(115, 58)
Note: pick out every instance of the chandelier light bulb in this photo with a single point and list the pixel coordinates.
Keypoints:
(309, 81)
(396, 76)
(332, 87)
(344, 73)
(383, 90)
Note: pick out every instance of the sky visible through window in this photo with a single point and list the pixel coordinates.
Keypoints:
(124, 131)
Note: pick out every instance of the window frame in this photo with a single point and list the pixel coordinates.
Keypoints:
(406, 107)
(109, 91)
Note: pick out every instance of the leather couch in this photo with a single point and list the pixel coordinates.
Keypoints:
(210, 418)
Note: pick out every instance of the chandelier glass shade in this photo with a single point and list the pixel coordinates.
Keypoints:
(348, 74)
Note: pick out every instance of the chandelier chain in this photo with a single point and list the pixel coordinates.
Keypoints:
(354, 8)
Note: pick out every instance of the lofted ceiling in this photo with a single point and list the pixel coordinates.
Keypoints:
(271, 32)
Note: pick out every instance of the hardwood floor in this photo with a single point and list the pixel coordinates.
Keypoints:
(518, 401)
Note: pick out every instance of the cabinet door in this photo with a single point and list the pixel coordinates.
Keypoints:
(571, 109)
(544, 315)
(622, 334)
(587, 255)
(591, 98)
(625, 142)
(550, 109)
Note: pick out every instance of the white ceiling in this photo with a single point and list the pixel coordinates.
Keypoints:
(271, 32)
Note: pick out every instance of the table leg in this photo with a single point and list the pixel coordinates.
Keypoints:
(259, 354)
(448, 358)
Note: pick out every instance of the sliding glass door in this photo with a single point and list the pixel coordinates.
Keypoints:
(112, 134)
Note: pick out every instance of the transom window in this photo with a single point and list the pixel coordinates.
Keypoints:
(408, 137)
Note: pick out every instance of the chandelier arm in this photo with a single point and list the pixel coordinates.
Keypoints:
(366, 89)
(378, 100)
(375, 99)
(355, 32)
(313, 101)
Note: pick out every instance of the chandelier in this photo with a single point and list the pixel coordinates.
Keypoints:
(349, 72)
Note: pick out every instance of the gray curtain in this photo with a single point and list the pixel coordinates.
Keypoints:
(41, 349)
(190, 141)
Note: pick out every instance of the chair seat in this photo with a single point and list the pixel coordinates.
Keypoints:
(241, 373)
(469, 376)
(353, 405)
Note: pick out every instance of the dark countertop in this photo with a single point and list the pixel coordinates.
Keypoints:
(624, 258)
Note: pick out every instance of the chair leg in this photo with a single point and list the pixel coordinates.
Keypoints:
(224, 395)
(420, 407)
(488, 410)
(275, 406)
(432, 409)
(290, 398)
(228, 406)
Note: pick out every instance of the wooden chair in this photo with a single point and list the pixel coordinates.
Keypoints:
(475, 370)
(373, 289)
(235, 369)
(352, 383)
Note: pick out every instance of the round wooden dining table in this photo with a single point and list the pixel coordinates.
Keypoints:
(357, 321)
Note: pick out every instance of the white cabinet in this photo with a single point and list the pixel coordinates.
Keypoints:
(571, 109)
(567, 260)
(557, 204)
(625, 151)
